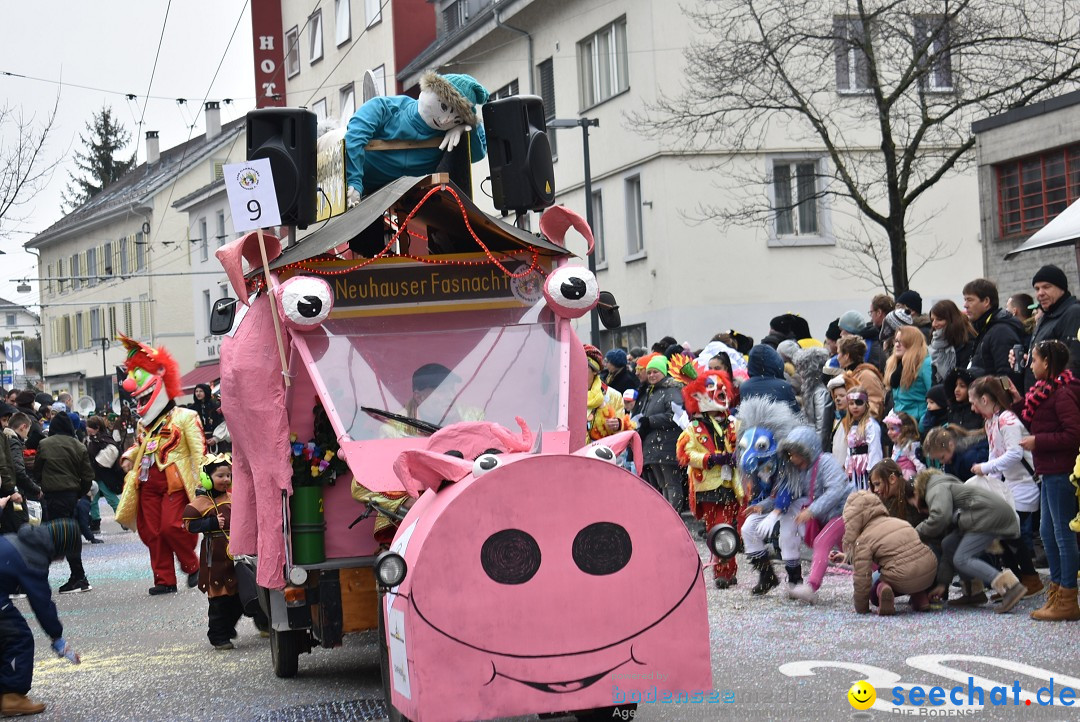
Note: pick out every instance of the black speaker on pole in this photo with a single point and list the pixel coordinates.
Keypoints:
(287, 137)
(519, 154)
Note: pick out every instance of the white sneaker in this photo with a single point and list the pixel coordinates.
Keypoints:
(803, 592)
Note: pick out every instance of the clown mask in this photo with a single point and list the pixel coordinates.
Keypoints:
(148, 390)
(714, 399)
(436, 112)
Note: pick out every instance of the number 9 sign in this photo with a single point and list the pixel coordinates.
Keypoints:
(252, 196)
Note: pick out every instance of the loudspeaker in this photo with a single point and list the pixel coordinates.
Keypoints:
(519, 154)
(287, 136)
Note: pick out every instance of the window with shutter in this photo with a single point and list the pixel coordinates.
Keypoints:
(123, 252)
(140, 252)
(92, 266)
(49, 281)
(145, 329)
(546, 74)
(79, 331)
(112, 321)
(219, 170)
(204, 241)
(128, 331)
(505, 91)
(60, 275)
(107, 259)
(221, 228)
(76, 271)
(852, 63)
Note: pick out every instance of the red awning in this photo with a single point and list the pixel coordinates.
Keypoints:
(205, 374)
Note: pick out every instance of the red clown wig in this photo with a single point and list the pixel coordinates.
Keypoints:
(699, 386)
(154, 360)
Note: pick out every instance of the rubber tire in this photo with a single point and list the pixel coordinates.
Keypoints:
(392, 713)
(285, 649)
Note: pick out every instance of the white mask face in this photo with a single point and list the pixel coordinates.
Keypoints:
(437, 114)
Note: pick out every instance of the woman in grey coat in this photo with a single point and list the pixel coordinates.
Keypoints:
(659, 432)
(967, 519)
(817, 403)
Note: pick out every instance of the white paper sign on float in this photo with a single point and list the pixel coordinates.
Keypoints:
(252, 196)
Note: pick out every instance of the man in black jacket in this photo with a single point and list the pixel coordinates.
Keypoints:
(998, 330)
(1060, 319)
(619, 377)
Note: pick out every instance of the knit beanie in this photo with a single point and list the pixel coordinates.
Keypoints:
(788, 349)
(893, 321)
(616, 357)
(937, 395)
(595, 358)
(660, 363)
(833, 331)
(1051, 274)
(911, 299)
(65, 536)
(852, 322)
(462, 92)
(643, 361)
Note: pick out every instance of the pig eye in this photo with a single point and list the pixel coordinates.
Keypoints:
(485, 463)
(305, 301)
(601, 452)
(571, 291)
(510, 556)
(602, 548)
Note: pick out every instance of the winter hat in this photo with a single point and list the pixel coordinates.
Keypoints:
(658, 362)
(61, 424)
(59, 407)
(832, 367)
(674, 349)
(833, 332)
(65, 536)
(7, 409)
(43, 400)
(462, 92)
(911, 299)
(643, 361)
(1051, 274)
(937, 395)
(837, 382)
(852, 322)
(616, 357)
(788, 349)
(893, 321)
(596, 359)
(629, 395)
(25, 399)
(781, 324)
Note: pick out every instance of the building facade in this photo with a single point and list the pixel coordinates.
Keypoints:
(1029, 172)
(669, 273)
(20, 346)
(120, 264)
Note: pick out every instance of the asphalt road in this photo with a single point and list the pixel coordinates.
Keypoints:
(147, 658)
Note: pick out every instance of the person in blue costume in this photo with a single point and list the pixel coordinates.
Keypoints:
(446, 108)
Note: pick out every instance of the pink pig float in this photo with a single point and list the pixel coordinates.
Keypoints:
(549, 580)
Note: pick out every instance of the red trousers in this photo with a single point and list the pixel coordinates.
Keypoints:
(161, 529)
(713, 514)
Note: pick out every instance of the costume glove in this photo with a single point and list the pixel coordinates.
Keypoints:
(63, 649)
(453, 137)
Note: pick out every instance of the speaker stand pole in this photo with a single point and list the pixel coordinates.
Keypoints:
(594, 316)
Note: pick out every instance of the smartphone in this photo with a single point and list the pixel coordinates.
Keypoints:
(1018, 358)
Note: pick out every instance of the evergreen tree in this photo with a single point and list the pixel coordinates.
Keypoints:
(98, 161)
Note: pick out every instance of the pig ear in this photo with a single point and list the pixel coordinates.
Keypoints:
(618, 443)
(511, 441)
(419, 469)
(556, 220)
(233, 254)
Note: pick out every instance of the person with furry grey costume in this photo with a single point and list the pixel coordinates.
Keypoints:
(817, 403)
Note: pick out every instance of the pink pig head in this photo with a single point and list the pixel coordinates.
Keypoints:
(554, 582)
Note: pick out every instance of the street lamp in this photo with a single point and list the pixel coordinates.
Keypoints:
(584, 124)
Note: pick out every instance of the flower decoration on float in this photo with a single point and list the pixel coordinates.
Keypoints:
(316, 462)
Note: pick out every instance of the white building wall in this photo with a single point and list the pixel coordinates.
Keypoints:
(208, 280)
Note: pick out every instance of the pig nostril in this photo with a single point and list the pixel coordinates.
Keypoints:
(602, 548)
(510, 556)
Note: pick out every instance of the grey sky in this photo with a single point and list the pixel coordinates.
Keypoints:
(110, 45)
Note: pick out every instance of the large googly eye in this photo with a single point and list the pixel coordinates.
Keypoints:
(599, 451)
(602, 548)
(485, 463)
(761, 444)
(571, 291)
(304, 301)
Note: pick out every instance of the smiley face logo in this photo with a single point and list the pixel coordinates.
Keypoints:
(862, 695)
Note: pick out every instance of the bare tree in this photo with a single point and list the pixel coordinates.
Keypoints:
(884, 91)
(23, 168)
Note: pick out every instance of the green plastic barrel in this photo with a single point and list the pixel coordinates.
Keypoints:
(308, 525)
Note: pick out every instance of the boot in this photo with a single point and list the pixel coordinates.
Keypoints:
(724, 582)
(794, 574)
(1032, 583)
(95, 525)
(1011, 590)
(1065, 608)
(974, 595)
(13, 704)
(766, 576)
(920, 601)
(886, 600)
(1051, 592)
(803, 592)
